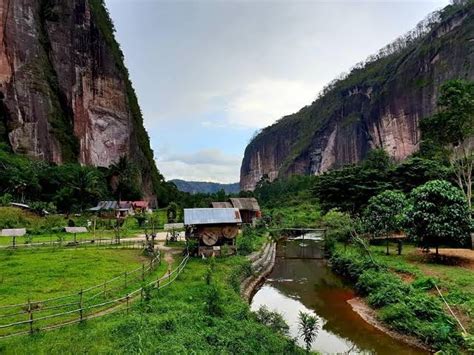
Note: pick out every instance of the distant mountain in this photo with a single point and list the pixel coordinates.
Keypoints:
(194, 187)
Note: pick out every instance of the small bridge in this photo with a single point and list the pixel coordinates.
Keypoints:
(301, 243)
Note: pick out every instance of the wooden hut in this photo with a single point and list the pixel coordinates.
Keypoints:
(248, 207)
(214, 228)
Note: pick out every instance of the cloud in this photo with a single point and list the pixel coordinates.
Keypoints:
(211, 156)
(262, 102)
(203, 165)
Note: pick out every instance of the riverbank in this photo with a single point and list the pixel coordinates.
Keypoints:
(403, 295)
(262, 263)
(369, 315)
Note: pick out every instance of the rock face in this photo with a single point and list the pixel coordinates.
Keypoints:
(65, 92)
(377, 106)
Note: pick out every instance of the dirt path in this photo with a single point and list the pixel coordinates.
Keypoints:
(458, 257)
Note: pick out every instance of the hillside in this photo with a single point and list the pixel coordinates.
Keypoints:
(378, 105)
(205, 187)
(65, 94)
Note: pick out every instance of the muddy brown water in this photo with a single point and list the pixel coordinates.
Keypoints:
(302, 281)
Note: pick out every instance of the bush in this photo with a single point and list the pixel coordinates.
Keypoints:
(339, 225)
(246, 243)
(274, 320)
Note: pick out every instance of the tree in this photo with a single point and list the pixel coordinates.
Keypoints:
(440, 214)
(385, 214)
(450, 132)
(350, 188)
(308, 328)
(125, 180)
(416, 171)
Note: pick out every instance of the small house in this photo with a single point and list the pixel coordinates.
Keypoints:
(213, 228)
(248, 207)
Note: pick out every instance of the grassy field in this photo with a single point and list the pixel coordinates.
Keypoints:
(201, 312)
(456, 280)
(46, 273)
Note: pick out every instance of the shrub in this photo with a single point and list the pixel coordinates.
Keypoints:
(274, 320)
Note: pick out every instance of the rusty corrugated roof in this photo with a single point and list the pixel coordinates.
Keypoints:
(194, 216)
(247, 203)
(221, 205)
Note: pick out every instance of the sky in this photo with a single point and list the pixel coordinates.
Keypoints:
(209, 74)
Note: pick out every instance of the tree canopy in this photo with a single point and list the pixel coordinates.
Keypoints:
(440, 214)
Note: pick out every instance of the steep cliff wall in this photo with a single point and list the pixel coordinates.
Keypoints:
(65, 93)
(376, 106)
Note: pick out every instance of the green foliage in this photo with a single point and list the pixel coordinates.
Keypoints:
(249, 240)
(6, 199)
(290, 191)
(386, 213)
(455, 121)
(407, 308)
(273, 320)
(339, 225)
(308, 328)
(416, 171)
(351, 187)
(440, 214)
(125, 178)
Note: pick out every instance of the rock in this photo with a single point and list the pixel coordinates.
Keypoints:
(67, 93)
(379, 106)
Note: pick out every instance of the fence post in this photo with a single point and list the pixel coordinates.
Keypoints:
(80, 305)
(125, 279)
(30, 313)
(169, 275)
(128, 298)
(143, 272)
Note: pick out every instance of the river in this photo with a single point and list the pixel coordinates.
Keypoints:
(308, 284)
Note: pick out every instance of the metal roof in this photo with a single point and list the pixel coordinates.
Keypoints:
(248, 203)
(105, 205)
(193, 216)
(18, 232)
(221, 205)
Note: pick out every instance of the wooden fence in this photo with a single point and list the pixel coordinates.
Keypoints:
(110, 296)
(80, 243)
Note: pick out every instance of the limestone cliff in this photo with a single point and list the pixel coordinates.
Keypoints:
(64, 90)
(378, 105)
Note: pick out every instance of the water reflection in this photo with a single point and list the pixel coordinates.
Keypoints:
(309, 285)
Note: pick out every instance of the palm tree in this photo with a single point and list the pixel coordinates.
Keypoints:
(308, 328)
